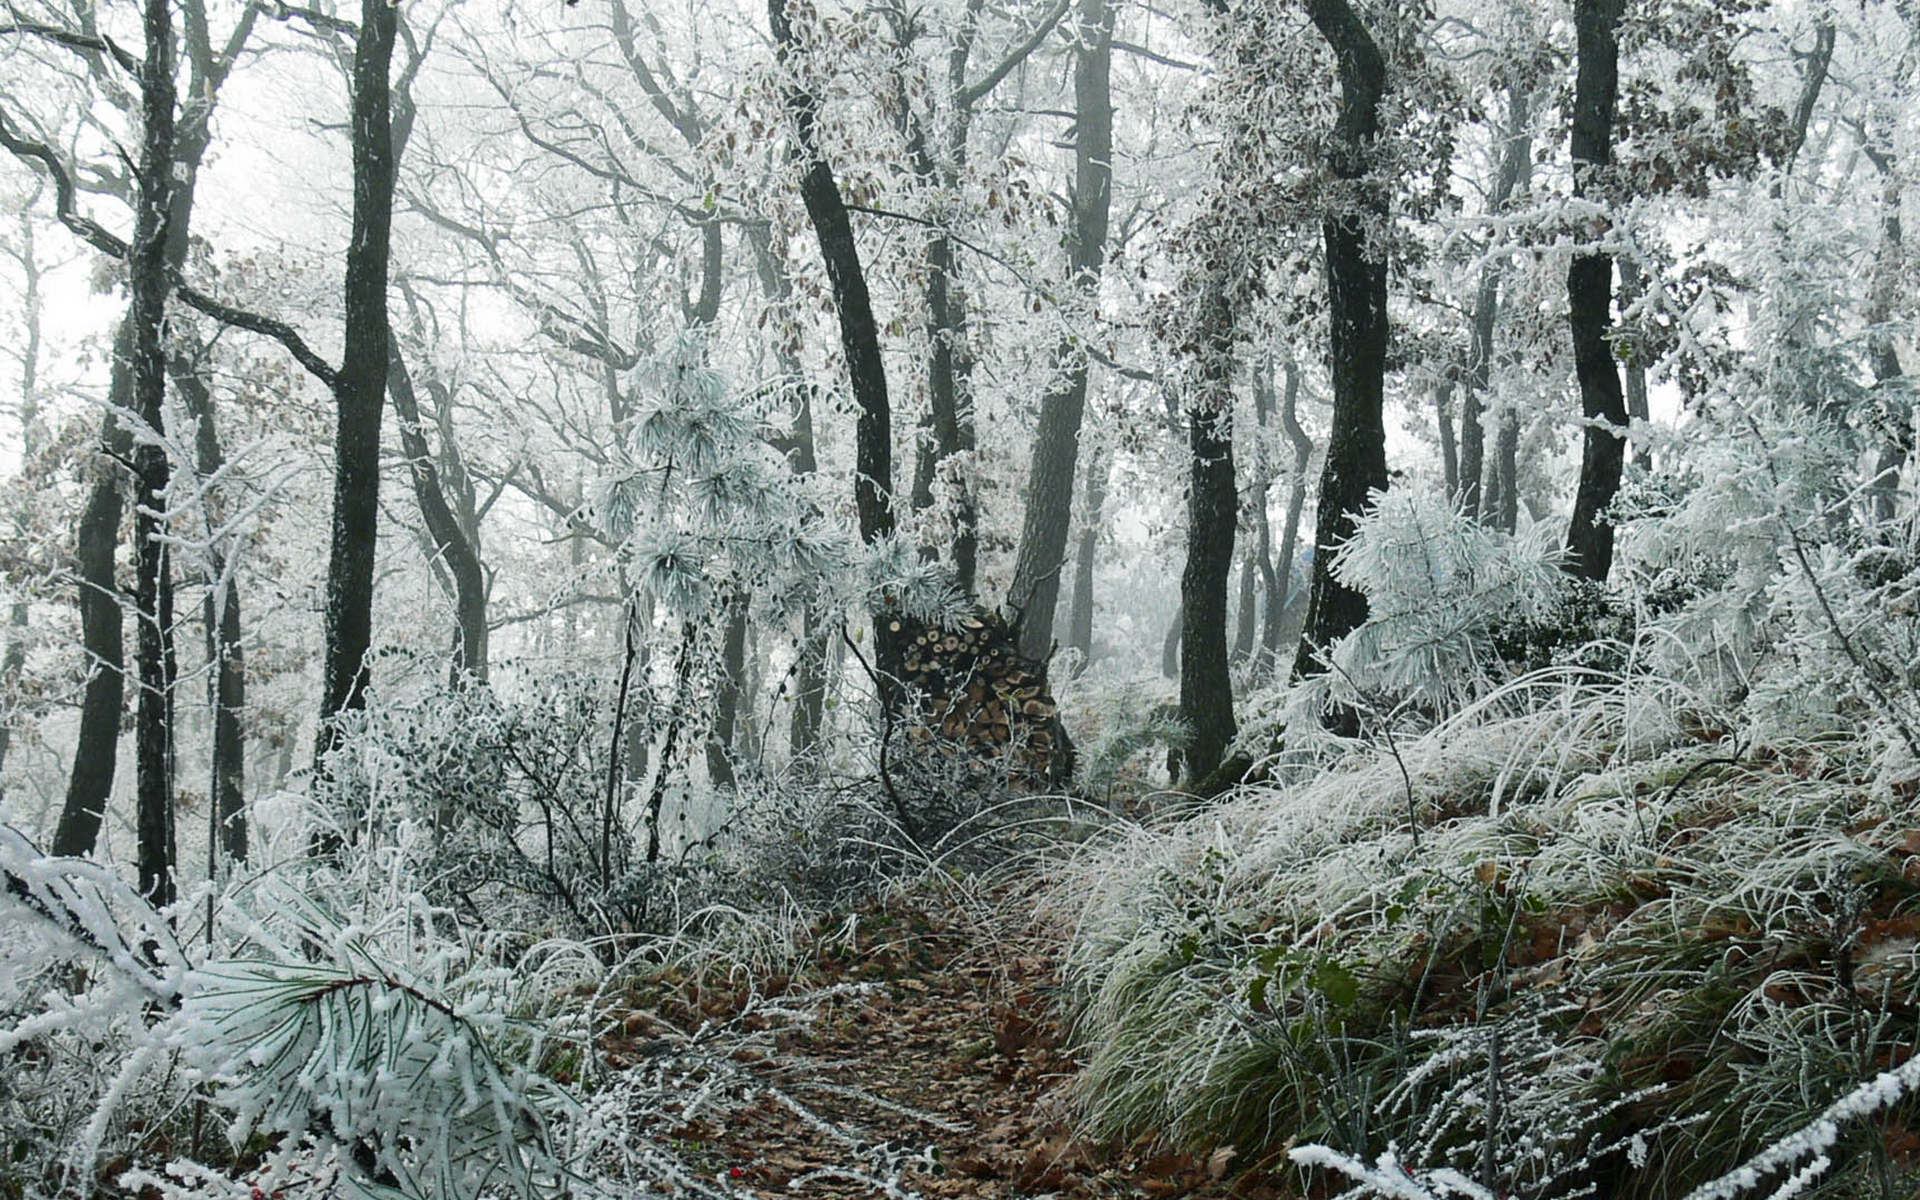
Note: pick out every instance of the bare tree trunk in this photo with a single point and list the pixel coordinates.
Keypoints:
(1296, 503)
(451, 545)
(1170, 644)
(1244, 605)
(1449, 445)
(1515, 162)
(1356, 463)
(1035, 590)
(149, 284)
(360, 390)
(1589, 542)
(1080, 610)
(859, 336)
(220, 616)
(1206, 685)
(1632, 286)
(101, 626)
(733, 666)
(1504, 502)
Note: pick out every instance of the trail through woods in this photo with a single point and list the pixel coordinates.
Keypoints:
(935, 1068)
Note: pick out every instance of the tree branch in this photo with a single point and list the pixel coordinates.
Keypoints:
(89, 43)
(973, 93)
(115, 247)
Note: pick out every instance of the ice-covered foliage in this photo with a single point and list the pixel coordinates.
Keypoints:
(704, 506)
(1440, 587)
(511, 790)
(374, 1052)
(1587, 933)
(382, 1037)
(374, 1044)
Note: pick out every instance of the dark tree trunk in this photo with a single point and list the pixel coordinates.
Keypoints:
(229, 736)
(721, 740)
(1514, 164)
(1825, 34)
(220, 616)
(1080, 610)
(1449, 443)
(1896, 441)
(1296, 495)
(102, 633)
(12, 663)
(810, 668)
(859, 336)
(451, 545)
(360, 391)
(1356, 463)
(1505, 503)
(148, 281)
(949, 425)
(1170, 644)
(1206, 686)
(1589, 543)
(1244, 605)
(1035, 590)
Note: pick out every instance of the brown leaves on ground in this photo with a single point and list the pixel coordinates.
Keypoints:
(943, 1073)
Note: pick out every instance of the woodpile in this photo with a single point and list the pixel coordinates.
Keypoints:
(979, 698)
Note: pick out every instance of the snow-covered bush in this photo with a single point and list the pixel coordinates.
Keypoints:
(1441, 588)
(514, 790)
(375, 1051)
(1588, 932)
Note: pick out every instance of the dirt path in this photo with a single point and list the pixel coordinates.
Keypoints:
(929, 1063)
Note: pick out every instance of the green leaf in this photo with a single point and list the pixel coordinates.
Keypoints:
(1336, 983)
(1257, 992)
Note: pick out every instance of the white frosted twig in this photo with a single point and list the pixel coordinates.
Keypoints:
(1814, 1138)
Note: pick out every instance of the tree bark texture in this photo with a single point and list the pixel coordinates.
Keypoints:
(1634, 364)
(1296, 499)
(859, 336)
(148, 281)
(1514, 164)
(1505, 504)
(1356, 462)
(451, 545)
(1245, 602)
(1080, 610)
(221, 620)
(1035, 590)
(949, 430)
(1589, 542)
(360, 391)
(1170, 643)
(102, 632)
(721, 740)
(1897, 423)
(1213, 502)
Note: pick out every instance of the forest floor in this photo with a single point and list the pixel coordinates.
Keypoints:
(933, 1065)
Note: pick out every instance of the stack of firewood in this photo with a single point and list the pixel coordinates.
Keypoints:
(979, 696)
